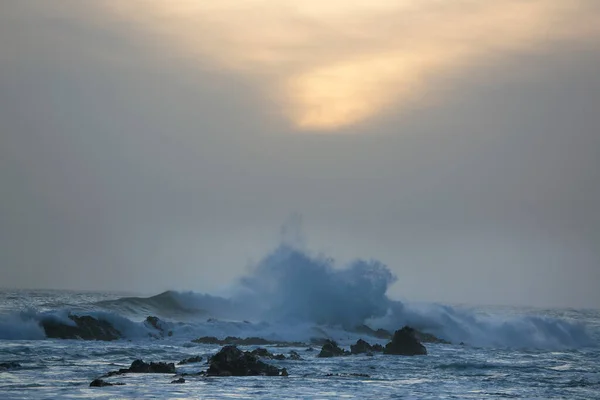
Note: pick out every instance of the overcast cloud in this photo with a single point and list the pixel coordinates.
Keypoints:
(148, 145)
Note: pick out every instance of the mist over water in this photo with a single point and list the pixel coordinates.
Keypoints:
(291, 294)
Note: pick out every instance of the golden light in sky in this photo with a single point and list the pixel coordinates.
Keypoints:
(331, 64)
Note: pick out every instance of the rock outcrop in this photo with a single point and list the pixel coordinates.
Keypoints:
(405, 343)
(102, 383)
(231, 361)
(250, 341)
(159, 325)
(141, 367)
(190, 360)
(5, 366)
(85, 327)
(362, 347)
(331, 349)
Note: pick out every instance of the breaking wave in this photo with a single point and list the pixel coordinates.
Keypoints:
(292, 295)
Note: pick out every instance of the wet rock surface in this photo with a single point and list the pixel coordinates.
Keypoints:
(231, 361)
(405, 343)
(103, 383)
(331, 349)
(83, 327)
(250, 341)
(141, 367)
(159, 325)
(190, 360)
(362, 347)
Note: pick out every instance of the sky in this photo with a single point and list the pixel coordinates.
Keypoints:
(150, 145)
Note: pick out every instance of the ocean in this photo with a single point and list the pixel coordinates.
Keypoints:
(493, 352)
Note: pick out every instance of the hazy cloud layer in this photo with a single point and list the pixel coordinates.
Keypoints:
(148, 146)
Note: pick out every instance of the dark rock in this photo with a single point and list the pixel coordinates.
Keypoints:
(279, 357)
(262, 352)
(101, 383)
(207, 340)
(180, 380)
(310, 349)
(284, 372)
(231, 361)
(250, 341)
(294, 356)
(405, 343)
(331, 349)
(377, 348)
(462, 343)
(158, 325)
(360, 347)
(5, 366)
(190, 360)
(139, 366)
(86, 327)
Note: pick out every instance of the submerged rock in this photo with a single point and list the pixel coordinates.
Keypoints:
(331, 349)
(362, 347)
(405, 343)
(190, 360)
(85, 327)
(5, 366)
(294, 356)
(102, 383)
(180, 380)
(231, 361)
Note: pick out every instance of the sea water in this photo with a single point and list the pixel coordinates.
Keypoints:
(507, 352)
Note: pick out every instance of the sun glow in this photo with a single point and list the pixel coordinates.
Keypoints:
(332, 64)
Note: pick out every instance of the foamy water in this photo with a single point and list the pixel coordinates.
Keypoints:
(291, 296)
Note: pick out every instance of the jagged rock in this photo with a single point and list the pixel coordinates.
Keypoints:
(207, 340)
(331, 349)
(262, 352)
(231, 361)
(139, 366)
(284, 372)
(250, 341)
(101, 383)
(86, 328)
(279, 357)
(180, 380)
(360, 347)
(294, 356)
(190, 360)
(159, 325)
(5, 366)
(405, 343)
(377, 348)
